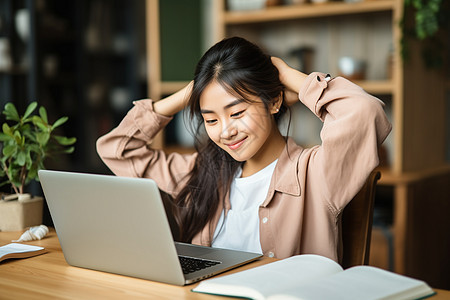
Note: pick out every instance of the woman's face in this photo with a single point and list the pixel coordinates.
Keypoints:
(240, 128)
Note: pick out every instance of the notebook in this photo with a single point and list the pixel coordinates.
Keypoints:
(119, 225)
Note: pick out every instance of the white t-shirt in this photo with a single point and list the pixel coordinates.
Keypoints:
(240, 230)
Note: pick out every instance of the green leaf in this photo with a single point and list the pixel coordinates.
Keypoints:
(21, 158)
(43, 114)
(38, 120)
(42, 126)
(65, 141)
(4, 137)
(10, 112)
(7, 130)
(18, 138)
(34, 148)
(33, 173)
(29, 160)
(8, 150)
(42, 138)
(59, 122)
(31, 107)
(3, 159)
(69, 150)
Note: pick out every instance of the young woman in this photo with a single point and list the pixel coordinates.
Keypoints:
(247, 186)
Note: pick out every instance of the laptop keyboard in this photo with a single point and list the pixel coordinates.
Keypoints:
(191, 264)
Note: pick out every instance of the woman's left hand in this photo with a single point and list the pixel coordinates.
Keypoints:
(291, 78)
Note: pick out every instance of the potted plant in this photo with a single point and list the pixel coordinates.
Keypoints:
(26, 141)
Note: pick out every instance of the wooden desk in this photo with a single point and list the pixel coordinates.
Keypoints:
(49, 276)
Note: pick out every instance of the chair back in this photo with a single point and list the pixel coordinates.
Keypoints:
(356, 224)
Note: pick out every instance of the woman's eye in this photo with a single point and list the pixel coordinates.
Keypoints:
(210, 122)
(237, 114)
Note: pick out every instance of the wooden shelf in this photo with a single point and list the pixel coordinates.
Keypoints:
(379, 87)
(170, 87)
(289, 12)
(390, 178)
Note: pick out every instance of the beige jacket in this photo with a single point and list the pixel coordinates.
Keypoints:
(309, 187)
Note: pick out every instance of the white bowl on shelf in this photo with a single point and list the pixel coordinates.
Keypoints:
(236, 5)
(22, 22)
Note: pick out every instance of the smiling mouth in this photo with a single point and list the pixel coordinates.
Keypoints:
(236, 145)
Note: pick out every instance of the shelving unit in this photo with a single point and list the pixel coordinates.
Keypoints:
(110, 57)
(187, 49)
(80, 59)
(415, 96)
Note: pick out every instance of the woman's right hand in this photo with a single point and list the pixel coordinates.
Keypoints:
(174, 103)
(291, 78)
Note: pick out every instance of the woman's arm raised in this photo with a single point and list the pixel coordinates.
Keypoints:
(354, 125)
(127, 149)
(174, 103)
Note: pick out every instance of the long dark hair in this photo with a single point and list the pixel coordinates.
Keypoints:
(242, 69)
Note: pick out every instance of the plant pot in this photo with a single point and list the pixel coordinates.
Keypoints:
(18, 215)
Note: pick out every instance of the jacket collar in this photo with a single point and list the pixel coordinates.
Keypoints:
(285, 176)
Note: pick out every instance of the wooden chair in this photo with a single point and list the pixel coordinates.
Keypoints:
(356, 224)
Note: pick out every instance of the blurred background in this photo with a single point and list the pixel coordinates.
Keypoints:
(89, 60)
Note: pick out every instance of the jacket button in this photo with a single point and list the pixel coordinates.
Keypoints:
(270, 254)
(265, 219)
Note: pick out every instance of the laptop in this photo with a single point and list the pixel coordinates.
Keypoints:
(119, 225)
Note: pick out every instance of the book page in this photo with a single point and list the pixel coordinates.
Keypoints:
(362, 282)
(16, 250)
(259, 282)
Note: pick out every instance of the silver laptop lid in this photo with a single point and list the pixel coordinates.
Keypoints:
(112, 224)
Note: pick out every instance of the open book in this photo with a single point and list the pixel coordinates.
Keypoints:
(15, 250)
(315, 277)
